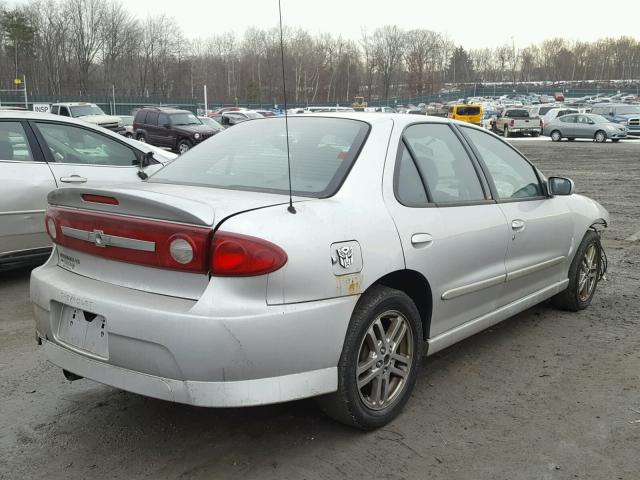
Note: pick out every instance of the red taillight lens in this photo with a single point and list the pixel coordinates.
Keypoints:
(236, 255)
(141, 241)
(513, 122)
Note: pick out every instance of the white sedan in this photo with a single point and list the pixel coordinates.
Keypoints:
(405, 234)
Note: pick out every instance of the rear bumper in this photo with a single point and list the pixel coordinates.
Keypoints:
(525, 129)
(192, 351)
(204, 394)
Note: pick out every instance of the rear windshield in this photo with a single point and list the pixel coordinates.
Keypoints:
(253, 156)
(517, 114)
(468, 110)
(544, 110)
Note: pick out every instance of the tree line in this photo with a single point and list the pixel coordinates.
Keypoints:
(94, 47)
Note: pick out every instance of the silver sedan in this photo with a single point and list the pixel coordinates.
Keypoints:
(40, 152)
(207, 285)
(584, 125)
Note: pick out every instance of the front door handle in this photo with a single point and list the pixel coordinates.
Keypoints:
(518, 225)
(421, 240)
(73, 179)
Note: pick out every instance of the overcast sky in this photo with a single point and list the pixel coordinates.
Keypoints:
(472, 23)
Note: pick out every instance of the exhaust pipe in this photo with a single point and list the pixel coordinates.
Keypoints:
(70, 376)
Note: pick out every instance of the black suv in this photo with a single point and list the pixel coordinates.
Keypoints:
(169, 127)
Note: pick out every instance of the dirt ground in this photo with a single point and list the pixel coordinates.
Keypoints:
(544, 395)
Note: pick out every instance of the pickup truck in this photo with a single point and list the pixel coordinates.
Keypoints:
(517, 120)
(88, 112)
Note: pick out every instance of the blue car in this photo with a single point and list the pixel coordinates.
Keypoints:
(628, 115)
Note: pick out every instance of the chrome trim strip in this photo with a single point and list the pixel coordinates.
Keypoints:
(473, 287)
(22, 212)
(521, 272)
(478, 324)
(110, 240)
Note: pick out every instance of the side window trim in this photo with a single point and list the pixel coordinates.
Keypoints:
(487, 173)
(48, 157)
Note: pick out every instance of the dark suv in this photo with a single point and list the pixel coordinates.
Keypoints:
(169, 127)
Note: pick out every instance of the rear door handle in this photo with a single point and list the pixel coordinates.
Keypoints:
(421, 240)
(73, 179)
(518, 225)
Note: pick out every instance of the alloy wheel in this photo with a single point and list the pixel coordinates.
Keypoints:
(588, 273)
(183, 148)
(384, 360)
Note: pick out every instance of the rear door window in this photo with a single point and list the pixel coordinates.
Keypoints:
(444, 164)
(152, 119)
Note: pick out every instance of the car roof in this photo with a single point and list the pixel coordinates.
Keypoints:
(373, 118)
(73, 104)
(168, 110)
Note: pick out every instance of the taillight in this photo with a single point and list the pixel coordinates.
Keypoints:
(235, 255)
(141, 241)
(88, 197)
(513, 122)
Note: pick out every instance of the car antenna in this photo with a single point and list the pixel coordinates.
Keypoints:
(290, 208)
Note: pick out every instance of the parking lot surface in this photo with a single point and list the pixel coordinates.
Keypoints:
(544, 395)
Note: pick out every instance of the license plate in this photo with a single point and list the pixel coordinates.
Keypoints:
(84, 330)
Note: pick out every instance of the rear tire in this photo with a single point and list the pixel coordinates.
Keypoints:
(600, 136)
(535, 134)
(556, 136)
(615, 140)
(376, 372)
(584, 275)
(506, 132)
(141, 138)
(128, 135)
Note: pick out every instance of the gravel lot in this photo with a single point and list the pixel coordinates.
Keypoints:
(545, 395)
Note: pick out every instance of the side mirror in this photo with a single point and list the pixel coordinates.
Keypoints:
(560, 186)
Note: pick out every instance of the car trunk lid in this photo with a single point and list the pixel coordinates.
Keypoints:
(123, 235)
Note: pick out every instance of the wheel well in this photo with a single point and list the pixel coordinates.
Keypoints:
(417, 287)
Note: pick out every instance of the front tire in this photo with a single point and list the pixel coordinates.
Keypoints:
(379, 362)
(600, 137)
(584, 275)
(556, 136)
(183, 146)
